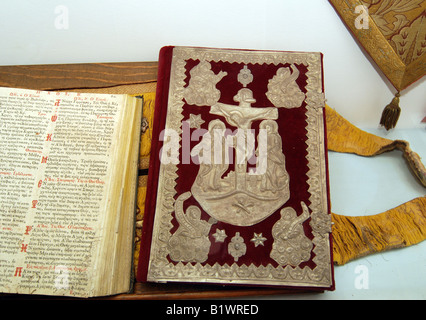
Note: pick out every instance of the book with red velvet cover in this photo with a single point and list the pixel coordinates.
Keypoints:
(238, 183)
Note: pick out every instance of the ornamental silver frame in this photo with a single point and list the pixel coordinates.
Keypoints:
(160, 270)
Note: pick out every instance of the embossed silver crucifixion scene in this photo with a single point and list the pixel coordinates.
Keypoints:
(240, 197)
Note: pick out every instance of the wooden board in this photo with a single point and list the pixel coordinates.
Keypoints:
(77, 76)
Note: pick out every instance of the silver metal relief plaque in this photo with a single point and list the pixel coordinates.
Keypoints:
(232, 196)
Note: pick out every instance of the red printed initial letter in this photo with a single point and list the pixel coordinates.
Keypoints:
(27, 230)
(18, 272)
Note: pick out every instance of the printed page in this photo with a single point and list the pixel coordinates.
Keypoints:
(55, 150)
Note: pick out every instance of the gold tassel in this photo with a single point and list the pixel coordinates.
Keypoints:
(391, 113)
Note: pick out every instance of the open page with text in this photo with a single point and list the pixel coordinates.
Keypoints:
(55, 151)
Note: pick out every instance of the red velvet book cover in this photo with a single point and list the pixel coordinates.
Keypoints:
(238, 183)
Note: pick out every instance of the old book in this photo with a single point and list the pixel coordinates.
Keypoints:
(238, 181)
(68, 175)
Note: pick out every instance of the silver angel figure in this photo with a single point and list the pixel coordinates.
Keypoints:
(201, 90)
(283, 90)
(190, 243)
(291, 246)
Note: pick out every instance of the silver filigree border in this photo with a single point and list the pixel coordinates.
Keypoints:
(160, 270)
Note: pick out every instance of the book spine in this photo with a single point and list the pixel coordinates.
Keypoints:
(163, 82)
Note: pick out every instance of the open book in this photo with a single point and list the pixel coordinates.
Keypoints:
(68, 177)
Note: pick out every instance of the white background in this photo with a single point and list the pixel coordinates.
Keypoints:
(125, 31)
